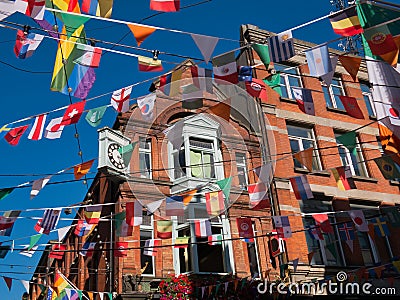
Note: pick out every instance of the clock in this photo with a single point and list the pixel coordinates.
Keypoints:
(114, 156)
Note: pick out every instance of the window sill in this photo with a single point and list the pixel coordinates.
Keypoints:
(394, 182)
(314, 172)
(365, 179)
(284, 99)
(337, 110)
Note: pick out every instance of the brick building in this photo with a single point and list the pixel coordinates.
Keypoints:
(212, 147)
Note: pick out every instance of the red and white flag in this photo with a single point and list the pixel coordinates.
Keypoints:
(14, 135)
(37, 130)
(121, 249)
(322, 220)
(202, 228)
(165, 5)
(225, 69)
(120, 99)
(48, 222)
(258, 194)
(245, 228)
(90, 56)
(134, 213)
(35, 9)
(150, 247)
(257, 88)
(54, 129)
(73, 113)
(359, 220)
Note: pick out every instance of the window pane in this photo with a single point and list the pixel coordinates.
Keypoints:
(210, 258)
(253, 262)
(299, 131)
(327, 96)
(294, 81)
(145, 164)
(208, 165)
(195, 164)
(369, 105)
(146, 235)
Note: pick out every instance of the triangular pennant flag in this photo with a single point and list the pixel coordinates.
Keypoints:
(82, 169)
(141, 32)
(153, 206)
(388, 167)
(225, 186)
(222, 109)
(310, 256)
(61, 232)
(38, 185)
(274, 82)
(350, 243)
(327, 78)
(263, 53)
(305, 157)
(25, 283)
(351, 65)
(8, 281)
(206, 45)
(295, 264)
(94, 116)
(33, 241)
(5, 192)
(110, 296)
(351, 106)
(203, 288)
(126, 152)
(187, 197)
(73, 22)
(101, 295)
(348, 140)
(332, 249)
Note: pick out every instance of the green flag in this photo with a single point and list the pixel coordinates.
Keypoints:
(263, 53)
(332, 249)
(348, 140)
(225, 186)
(388, 167)
(110, 296)
(372, 15)
(119, 219)
(80, 294)
(34, 239)
(73, 22)
(95, 115)
(273, 82)
(392, 215)
(5, 192)
(126, 152)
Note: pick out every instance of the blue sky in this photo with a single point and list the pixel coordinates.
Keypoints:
(27, 93)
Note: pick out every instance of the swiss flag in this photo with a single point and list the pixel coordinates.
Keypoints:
(245, 228)
(257, 88)
(73, 113)
(121, 249)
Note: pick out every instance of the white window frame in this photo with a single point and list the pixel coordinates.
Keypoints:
(299, 139)
(367, 95)
(349, 161)
(197, 127)
(330, 91)
(203, 150)
(149, 228)
(257, 254)
(146, 152)
(322, 247)
(241, 162)
(226, 243)
(285, 76)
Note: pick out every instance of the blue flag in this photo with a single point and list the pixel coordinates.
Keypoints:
(281, 46)
(245, 73)
(319, 61)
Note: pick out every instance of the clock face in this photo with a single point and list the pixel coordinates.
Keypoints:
(114, 156)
